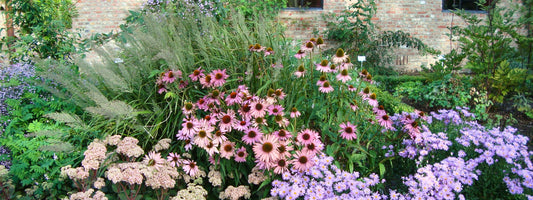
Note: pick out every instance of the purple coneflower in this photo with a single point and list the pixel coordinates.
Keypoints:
(282, 134)
(302, 161)
(339, 57)
(348, 131)
(266, 149)
(295, 113)
(323, 66)
(190, 167)
(227, 149)
(218, 77)
(275, 110)
(174, 159)
(344, 76)
(197, 74)
(300, 72)
(240, 155)
(251, 135)
(300, 54)
(307, 136)
(326, 88)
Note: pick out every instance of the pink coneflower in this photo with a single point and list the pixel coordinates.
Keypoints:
(161, 88)
(300, 71)
(372, 100)
(202, 103)
(213, 161)
(321, 80)
(314, 147)
(281, 121)
(282, 134)
(242, 125)
(183, 84)
(275, 110)
(346, 65)
(282, 166)
(307, 136)
(203, 137)
(189, 128)
(240, 155)
(295, 113)
(219, 137)
(227, 149)
(307, 47)
(413, 129)
(320, 42)
(170, 76)
(218, 77)
(188, 144)
(269, 51)
(379, 110)
(302, 161)
(174, 159)
(368, 78)
(211, 148)
(326, 88)
(323, 66)
(339, 57)
(365, 93)
(348, 131)
(227, 121)
(279, 93)
(266, 149)
(245, 111)
(354, 106)
(153, 159)
(206, 81)
(233, 98)
(258, 108)
(190, 167)
(344, 76)
(188, 108)
(300, 54)
(252, 135)
(256, 48)
(363, 73)
(285, 148)
(197, 74)
(332, 68)
(259, 121)
(385, 121)
(421, 114)
(351, 88)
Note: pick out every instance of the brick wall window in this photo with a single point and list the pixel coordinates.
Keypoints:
(463, 4)
(304, 3)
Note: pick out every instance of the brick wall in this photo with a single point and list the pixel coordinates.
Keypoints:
(102, 16)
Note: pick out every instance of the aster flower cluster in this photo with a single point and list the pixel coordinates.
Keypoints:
(325, 181)
(14, 84)
(477, 146)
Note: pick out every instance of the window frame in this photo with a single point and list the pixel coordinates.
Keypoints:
(320, 2)
(444, 3)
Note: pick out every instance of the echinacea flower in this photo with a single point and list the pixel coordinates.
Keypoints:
(351, 88)
(321, 80)
(252, 135)
(161, 88)
(206, 81)
(275, 110)
(339, 57)
(227, 149)
(190, 167)
(302, 161)
(323, 66)
(258, 108)
(279, 93)
(332, 68)
(285, 147)
(295, 113)
(314, 147)
(245, 111)
(153, 159)
(300, 54)
(344, 76)
(211, 148)
(282, 134)
(348, 131)
(174, 159)
(218, 77)
(300, 71)
(256, 48)
(380, 110)
(189, 128)
(197, 74)
(307, 136)
(233, 98)
(385, 121)
(371, 100)
(241, 154)
(188, 108)
(266, 149)
(307, 47)
(281, 121)
(326, 88)
(282, 165)
(319, 42)
(242, 125)
(227, 121)
(202, 138)
(269, 51)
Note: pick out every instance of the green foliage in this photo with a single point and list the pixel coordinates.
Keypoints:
(358, 34)
(389, 83)
(251, 8)
(44, 28)
(499, 55)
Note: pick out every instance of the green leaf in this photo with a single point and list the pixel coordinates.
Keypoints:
(169, 95)
(381, 169)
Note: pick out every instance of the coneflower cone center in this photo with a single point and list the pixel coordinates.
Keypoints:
(258, 106)
(228, 148)
(190, 125)
(302, 159)
(268, 147)
(202, 134)
(226, 119)
(344, 72)
(252, 134)
(282, 163)
(324, 62)
(348, 130)
(306, 136)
